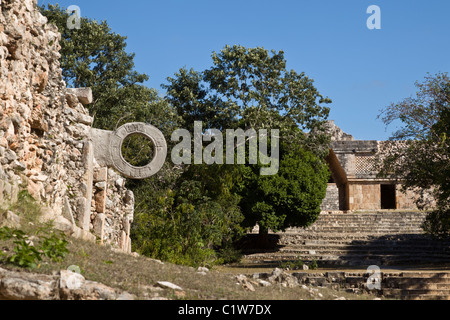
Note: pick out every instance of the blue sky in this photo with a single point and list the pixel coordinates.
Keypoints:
(361, 70)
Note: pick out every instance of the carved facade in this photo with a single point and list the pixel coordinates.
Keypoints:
(354, 184)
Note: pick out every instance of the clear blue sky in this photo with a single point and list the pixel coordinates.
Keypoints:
(361, 70)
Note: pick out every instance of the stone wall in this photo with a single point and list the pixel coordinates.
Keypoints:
(331, 201)
(353, 164)
(364, 195)
(45, 135)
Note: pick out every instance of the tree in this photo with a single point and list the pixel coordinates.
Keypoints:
(251, 88)
(94, 56)
(291, 198)
(422, 160)
(187, 225)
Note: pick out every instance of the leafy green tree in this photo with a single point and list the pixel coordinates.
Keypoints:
(193, 101)
(423, 159)
(251, 88)
(94, 56)
(291, 198)
(187, 224)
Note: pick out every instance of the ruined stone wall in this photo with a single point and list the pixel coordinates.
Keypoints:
(45, 135)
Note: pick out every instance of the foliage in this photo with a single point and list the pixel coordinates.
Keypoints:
(290, 198)
(186, 224)
(193, 101)
(293, 265)
(422, 160)
(94, 56)
(54, 246)
(26, 254)
(251, 88)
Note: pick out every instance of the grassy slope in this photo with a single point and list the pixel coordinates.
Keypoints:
(138, 275)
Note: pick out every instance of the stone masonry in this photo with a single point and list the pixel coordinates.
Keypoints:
(355, 184)
(46, 145)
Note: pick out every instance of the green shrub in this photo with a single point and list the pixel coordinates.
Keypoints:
(26, 254)
(313, 265)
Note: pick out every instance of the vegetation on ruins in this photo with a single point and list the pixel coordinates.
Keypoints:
(191, 214)
(36, 242)
(423, 160)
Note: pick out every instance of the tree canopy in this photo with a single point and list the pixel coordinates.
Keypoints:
(94, 56)
(423, 159)
(250, 88)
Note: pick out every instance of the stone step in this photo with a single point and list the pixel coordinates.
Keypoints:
(362, 229)
(356, 256)
(427, 247)
(402, 292)
(424, 297)
(367, 252)
(330, 239)
(412, 274)
(427, 286)
(363, 239)
(353, 261)
(352, 234)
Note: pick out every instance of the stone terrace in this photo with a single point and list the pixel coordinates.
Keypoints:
(360, 240)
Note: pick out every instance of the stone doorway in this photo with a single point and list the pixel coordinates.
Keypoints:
(388, 197)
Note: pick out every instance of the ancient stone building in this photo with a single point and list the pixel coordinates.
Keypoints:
(354, 184)
(46, 145)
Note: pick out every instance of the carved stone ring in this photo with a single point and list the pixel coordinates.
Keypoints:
(108, 149)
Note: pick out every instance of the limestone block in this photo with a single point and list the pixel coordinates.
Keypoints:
(100, 201)
(99, 226)
(83, 209)
(1, 191)
(84, 95)
(123, 241)
(101, 175)
(63, 225)
(101, 185)
(67, 211)
(85, 119)
(10, 219)
(87, 179)
(72, 100)
(34, 189)
(129, 197)
(82, 234)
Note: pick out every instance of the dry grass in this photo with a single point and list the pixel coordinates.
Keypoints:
(138, 276)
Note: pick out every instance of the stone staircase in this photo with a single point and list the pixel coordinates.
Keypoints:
(418, 286)
(386, 238)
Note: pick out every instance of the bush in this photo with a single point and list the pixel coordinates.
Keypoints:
(437, 223)
(26, 254)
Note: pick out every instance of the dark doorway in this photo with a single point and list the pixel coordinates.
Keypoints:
(388, 196)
